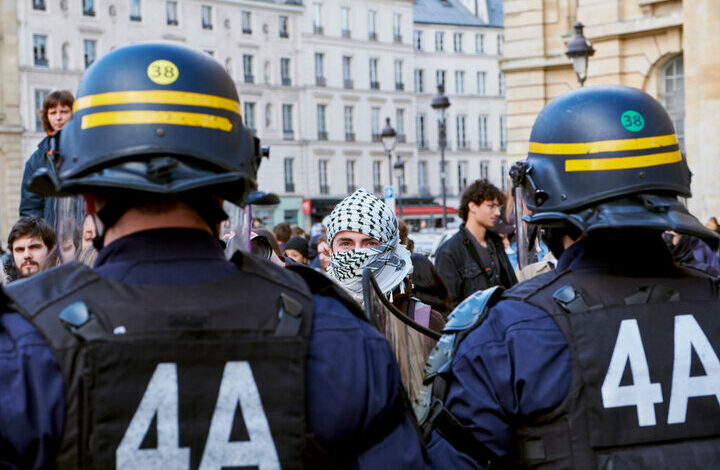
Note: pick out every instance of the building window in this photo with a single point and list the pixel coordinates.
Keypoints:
(440, 78)
(418, 81)
(246, 22)
(503, 133)
(500, 44)
(90, 51)
(323, 176)
(459, 82)
(287, 121)
(484, 165)
(461, 136)
(283, 26)
(420, 129)
(501, 83)
(317, 18)
(399, 85)
(65, 56)
(480, 43)
(397, 27)
(374, 83)
(171, 12)
(347, 71)
(320, 69)
(349, 132)
(268, 114)
(423, 188)
(457, 42)
(38, 4)
(377, 177)
(289, 180)
(290, 216)
(483, 132)
(350, 176)
(135, 10)
(40, 95)
(248, 68)
(400, 125)
(285, 71)
(206, 14)
(375, 124)
(481, 83)
(40, 50)
(503, 175)
(321, 122)
(462, 176)
(372, 23)
(88, 8)
(249, 113)
(345, 21)
(417, 40)
(439, 41)
(673, 95)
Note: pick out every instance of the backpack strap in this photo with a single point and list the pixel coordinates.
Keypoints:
(430, 410)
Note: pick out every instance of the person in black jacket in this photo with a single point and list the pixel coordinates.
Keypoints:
(55, 113)
(474, 258)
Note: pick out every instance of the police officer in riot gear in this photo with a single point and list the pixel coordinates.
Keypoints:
(166, 355)
(611, 360)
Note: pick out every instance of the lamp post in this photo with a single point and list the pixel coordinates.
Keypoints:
(400, 166)
(579, 50)
(389, 139)
(440, 103)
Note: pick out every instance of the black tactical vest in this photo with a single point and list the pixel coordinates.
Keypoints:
(202, 376)
(645, 389)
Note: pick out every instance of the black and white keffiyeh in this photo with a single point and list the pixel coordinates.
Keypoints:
(390, 262)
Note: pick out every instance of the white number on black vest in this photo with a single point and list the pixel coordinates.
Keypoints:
(642, 393)
(238, 387)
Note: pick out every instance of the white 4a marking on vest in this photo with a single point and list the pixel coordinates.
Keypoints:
(161, 398)
(642, 393)
(237, 387)
(688, 336)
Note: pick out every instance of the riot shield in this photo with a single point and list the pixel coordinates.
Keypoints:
(69, 222)
(410, 341)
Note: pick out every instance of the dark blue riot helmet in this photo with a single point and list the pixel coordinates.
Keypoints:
(603, 157)
(156, 118)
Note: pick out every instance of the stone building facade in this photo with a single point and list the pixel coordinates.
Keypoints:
(660, 46)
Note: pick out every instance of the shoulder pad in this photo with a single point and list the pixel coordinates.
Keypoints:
(320, 284)
(33, 294)
(466, 314)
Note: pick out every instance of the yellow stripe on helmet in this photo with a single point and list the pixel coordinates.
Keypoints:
(156, 97)
(115, 118)
(623, 163)
(642, 143)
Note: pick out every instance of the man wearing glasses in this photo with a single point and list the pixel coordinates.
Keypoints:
(474, 258)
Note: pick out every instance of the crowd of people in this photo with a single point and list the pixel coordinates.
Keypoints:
(158, 325)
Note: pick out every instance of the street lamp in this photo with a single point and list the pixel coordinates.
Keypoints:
(389, 139)
(579, 50)
(441, 103)
(400, 167)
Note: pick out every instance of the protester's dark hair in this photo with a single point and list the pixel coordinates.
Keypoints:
(282, 232)
(270, 236)
(479, 191)
(35, 227)
(54, 98)
(428, 286)
(403, 229)
(296, 231)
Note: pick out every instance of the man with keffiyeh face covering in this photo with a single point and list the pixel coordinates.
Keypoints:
(363, 233)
